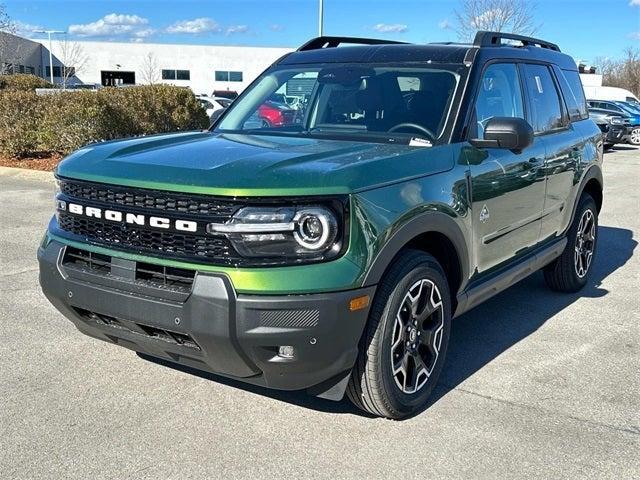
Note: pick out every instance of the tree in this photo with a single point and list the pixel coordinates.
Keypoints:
(6, 26)
(73, 59)
(150, 70)
(622, 73)
(512, 16)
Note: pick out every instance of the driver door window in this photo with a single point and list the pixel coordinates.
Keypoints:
(500, 95)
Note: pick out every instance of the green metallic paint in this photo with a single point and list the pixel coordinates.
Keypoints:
(402, 174)
(249, 166)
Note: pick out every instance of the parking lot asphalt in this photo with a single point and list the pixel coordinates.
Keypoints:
(537, 384)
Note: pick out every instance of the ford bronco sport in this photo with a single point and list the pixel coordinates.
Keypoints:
(329, 253)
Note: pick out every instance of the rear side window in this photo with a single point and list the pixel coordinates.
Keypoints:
(574, 95)
(546, 113)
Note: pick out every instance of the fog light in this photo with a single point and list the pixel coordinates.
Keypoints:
(286, 351)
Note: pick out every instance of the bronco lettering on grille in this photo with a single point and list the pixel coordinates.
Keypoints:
(130, 218)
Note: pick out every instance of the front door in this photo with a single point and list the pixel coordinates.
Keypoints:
(507, 188)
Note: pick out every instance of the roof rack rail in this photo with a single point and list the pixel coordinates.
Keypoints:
(494, 39)
(332, 42)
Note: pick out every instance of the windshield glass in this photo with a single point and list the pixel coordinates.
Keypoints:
(629, 108)
(368, 102)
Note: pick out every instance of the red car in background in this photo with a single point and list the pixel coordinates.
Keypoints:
(276, 114)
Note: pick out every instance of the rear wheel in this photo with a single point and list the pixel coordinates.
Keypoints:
(570, 271)
(404, 344)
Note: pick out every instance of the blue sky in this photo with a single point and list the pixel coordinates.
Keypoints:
(585, 29)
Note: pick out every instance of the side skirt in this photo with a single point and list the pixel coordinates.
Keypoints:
(477, 293)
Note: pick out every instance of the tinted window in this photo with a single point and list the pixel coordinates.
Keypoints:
(342, 100)
(168, 74)
(183, 75)
(574, 95)
(222, 76)
(499, 95)
(235, 76)
(546, 113)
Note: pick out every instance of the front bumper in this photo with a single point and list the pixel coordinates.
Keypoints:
(207, 325)
(617, 134)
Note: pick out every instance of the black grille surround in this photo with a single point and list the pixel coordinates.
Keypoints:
(196, 247)
(214, 208)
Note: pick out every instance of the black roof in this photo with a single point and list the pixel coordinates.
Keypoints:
(487, 46)
(380, 54)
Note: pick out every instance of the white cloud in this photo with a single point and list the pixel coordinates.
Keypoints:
(276, 27)
(390, 28)
(236, 29)
(25, 29)
(195, 26)
(634, 36)
(444, 24)
(113, 24)
(142, 34)
(634, 3)
(123, 19)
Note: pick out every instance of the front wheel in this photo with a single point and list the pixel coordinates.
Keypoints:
(634, 137)
(404, 344)
(570, 271)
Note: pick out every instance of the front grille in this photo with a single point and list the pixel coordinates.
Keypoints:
(170, 243)
(196, 246)
(215, 208)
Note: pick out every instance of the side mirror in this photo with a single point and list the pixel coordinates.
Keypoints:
(505, 132)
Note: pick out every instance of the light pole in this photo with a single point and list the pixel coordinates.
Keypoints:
(49, 33)
(320, 18)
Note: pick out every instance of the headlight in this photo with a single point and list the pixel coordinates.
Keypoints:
(290, 234)
(616, 121)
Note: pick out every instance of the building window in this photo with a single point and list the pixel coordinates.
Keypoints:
(56, 71)
(176, 75)
(226, 76)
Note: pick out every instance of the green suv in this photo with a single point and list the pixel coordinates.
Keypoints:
(393, 188)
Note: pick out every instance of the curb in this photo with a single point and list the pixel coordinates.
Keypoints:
(25, 173)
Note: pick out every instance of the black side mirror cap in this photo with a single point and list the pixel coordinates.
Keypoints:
(506, 132)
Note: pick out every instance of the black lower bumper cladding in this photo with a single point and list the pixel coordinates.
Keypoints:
(198, 320)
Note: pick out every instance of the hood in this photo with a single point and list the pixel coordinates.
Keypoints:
(252, 165)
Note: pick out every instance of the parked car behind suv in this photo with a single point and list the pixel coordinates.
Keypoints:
(331, 254)
(628, 110)
(615, 127)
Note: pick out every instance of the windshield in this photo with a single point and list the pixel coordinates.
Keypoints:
(629, 108)
(368, 102)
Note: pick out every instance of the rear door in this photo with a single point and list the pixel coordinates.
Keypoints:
(563, 145)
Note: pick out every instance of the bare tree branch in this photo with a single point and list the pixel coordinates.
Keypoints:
(513, 16)
(6, 26)
(622, 73)
(73, 59)
(150, 70)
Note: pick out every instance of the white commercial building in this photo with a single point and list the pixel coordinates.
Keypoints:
(203, 68)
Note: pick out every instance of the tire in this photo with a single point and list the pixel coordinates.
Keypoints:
(570, 271)
(414, 282)
(634, 136)
(608, 146)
